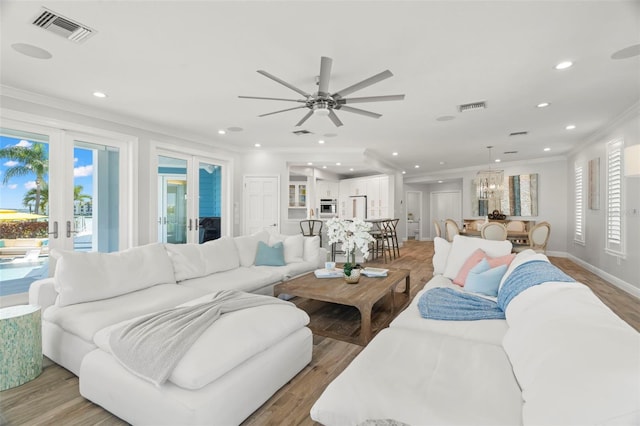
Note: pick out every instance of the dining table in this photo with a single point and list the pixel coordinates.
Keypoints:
(516, 237)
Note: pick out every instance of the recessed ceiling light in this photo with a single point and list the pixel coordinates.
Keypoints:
(395, 154)
(31, 51)
(99, 94)
(320, 141)
(309, 163)
(404, 173)
(497, 160)
(324, 167)
(257, 145)
(417, 166)
(564, 65)
(570, 127)
(543, 104)
(351, 169)
(222, 132)
(440, 181)
(338, 164)
(442, 163)
(547, 149)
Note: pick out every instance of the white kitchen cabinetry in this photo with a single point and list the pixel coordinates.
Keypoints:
(297, 195)
(378, 189)
(327, 189)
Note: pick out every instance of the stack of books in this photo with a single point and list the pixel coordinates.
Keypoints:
(325, 273)
(375, 272)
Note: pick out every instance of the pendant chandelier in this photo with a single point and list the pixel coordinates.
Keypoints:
(490, 182)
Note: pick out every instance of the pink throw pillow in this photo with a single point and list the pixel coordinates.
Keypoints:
(472, 261)
(502, 260)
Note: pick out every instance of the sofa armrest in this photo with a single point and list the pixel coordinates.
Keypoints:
(43, 293)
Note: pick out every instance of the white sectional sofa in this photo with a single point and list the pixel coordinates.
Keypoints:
(561, 357)
(222, 379)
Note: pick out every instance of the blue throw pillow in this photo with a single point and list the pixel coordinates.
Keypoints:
(270, 255)
(1, 243)
(483, 280)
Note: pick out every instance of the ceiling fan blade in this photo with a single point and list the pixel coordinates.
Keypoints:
(372, 99)
(282, 110)
(334, 118)
(364, 83)
(360, 111)
(325, 75)
(272, 99)
(284, 83)
(305, 118)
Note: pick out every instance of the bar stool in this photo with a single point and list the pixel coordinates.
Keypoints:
(393, 225)
(311, 228)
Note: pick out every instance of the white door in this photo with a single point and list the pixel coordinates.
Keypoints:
(261, 201)
(414, 215)
(446, 205)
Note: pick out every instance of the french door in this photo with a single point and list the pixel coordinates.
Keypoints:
(59, 190)
(190, 198)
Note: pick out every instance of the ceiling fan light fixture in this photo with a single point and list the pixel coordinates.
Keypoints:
(321, 108)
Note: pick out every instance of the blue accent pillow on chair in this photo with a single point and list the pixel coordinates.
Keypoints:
(483, 280)
(270, 255)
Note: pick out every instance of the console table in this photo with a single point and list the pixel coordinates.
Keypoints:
(20, 345)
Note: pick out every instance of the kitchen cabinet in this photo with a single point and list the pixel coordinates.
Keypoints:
(297, 194)
(378, 189)
(327, 189)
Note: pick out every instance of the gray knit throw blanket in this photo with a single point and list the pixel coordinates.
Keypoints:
(151, 346)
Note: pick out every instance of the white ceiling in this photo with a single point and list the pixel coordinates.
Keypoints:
(180, 65)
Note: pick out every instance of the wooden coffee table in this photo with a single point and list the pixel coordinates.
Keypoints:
(363, 295)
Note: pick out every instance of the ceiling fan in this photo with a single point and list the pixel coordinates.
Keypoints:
(324, 102)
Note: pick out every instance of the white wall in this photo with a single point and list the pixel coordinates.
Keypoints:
(625, 272)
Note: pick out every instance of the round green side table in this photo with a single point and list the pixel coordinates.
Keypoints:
(20, 345)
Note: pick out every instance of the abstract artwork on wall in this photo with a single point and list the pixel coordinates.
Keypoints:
(520, 196)
(594, 184)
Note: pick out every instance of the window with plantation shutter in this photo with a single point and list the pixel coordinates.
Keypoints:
(579, 204)
(615, 218)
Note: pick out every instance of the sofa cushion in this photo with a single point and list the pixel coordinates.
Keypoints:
(311, 250)
(247, 246)
(471, 262)
(270, 255)
(441, 248)
(242, 279)
(293, 246)
(423, 378)
(462, 247)
(85, 319)
(88, 276)
(197, 260)
(230, 341)
(575, 360)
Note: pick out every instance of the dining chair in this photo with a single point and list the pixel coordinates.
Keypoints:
(516, 226)
(494, 231)
(311, 228)
(436, 225)
(393, 229)
(538, 238)
(382, 240)
(451, 229)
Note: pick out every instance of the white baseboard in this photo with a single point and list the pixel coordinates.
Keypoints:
(622, 285)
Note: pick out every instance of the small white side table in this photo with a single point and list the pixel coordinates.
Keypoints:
(20, 345)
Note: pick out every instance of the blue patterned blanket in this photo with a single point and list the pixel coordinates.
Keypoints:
(448, 304)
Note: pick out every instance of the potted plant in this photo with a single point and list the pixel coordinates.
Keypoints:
(353, 234)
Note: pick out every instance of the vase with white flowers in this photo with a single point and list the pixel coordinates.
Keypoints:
(353, 234)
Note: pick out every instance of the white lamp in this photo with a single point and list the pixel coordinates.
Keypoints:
(632, 161)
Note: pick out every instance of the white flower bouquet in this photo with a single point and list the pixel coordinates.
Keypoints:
(353, 234)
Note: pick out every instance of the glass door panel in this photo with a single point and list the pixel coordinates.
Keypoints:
(24, 210)
(209, 201)
(172, 200)
(96, 193)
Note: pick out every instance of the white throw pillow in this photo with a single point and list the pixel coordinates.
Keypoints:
(293, 246)
(223, 257)
(88, 276)
(441, 249)
(462, 247)
(312, 249)
(247, 246)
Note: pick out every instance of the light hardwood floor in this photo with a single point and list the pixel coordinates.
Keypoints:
(53, 398)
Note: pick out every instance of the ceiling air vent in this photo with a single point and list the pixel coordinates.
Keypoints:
(519, 133)
(510, 152)
(62, 26)
(301, 132)
(472, 106)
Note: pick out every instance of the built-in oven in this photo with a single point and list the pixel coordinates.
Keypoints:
(328, 207)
